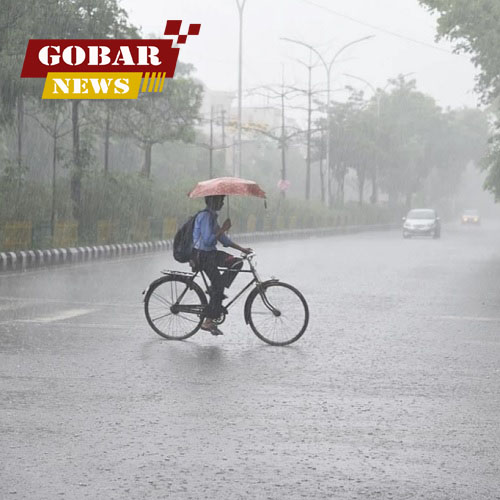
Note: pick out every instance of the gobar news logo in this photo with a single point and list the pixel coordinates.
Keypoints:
(105, 69)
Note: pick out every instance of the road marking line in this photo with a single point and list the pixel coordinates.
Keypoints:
(102, 326)
(13, 306)
(471, 318)
(37, 300)
(72, 313)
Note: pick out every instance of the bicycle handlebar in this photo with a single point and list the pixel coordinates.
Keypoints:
(248, 256)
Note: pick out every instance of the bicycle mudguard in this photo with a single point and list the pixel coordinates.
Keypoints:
(253, 293)
(146, 290)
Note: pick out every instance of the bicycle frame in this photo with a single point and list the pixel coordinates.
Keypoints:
(255, 280)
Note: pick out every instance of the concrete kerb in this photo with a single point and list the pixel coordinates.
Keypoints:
(31, 258)
(39, 260)
(24, 259)
(74, 254)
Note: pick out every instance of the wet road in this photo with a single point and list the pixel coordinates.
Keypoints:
(393, 392)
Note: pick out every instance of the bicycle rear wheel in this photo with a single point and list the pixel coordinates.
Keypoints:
(174, 307)
(278, 314)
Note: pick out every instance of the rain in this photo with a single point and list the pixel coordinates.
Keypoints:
(249, 249)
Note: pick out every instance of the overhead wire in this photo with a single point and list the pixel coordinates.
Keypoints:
(378, 28)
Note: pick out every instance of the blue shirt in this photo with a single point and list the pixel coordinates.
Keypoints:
(205, 230)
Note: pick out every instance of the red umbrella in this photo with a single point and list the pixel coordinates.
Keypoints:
(226, 186)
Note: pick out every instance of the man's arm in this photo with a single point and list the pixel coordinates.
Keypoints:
(219, 233)
(241, 249)
(226, 241)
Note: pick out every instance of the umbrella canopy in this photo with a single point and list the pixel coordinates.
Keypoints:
(227, 186)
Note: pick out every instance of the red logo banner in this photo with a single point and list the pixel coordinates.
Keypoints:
(138, 55)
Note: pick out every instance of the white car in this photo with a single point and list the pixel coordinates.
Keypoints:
(422, 222)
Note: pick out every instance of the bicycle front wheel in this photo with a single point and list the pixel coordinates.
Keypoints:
(278, 313)
(174, 307)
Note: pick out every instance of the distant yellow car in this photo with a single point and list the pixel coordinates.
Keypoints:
(471, 217)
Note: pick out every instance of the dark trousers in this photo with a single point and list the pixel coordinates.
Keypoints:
(209, 262)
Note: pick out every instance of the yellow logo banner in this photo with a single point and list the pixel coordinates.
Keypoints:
(92, 86)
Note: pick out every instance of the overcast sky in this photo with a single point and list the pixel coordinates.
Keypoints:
(447, 77)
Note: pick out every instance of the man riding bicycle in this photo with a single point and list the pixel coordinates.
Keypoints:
(206, 233)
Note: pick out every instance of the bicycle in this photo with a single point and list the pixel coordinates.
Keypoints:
(276, 312)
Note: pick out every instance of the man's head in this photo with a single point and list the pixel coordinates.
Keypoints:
(215, 202)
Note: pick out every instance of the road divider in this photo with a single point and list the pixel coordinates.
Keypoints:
(28, 259)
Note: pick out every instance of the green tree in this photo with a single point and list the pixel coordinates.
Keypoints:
(53, 119)
(364, 153)
(353, 127)
(158, 117)
(474, 27)
(20, 21)
(408, 120)
(90, 19)
(460, 139)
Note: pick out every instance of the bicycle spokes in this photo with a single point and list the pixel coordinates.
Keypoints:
(278, 314)
(175, 308)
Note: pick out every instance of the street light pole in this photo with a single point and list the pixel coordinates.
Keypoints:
(309, 94)
(328, 68)
(309, 114)
(241, 5)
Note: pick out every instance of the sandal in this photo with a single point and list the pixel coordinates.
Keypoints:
(212, 328)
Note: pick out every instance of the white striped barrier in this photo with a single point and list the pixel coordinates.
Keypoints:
(37, 258)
